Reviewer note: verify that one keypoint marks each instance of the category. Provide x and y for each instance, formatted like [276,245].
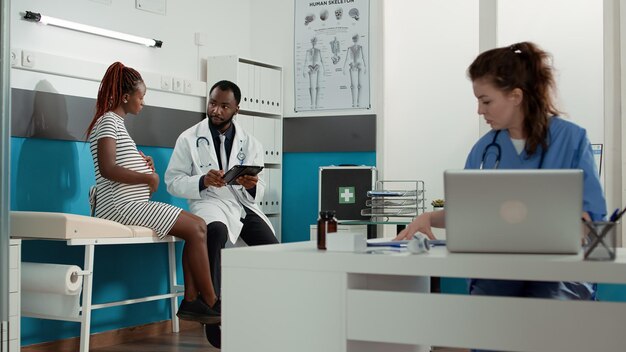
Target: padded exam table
[80,230]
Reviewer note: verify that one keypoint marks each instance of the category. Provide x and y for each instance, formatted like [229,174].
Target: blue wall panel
[52,175]
[612,293]
[300,188]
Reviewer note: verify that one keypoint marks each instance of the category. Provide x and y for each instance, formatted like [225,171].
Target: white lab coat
[193,157]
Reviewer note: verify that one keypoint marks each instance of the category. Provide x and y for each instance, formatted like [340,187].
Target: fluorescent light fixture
[37,17]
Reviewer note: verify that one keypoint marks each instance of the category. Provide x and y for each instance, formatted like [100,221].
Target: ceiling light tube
[37,17]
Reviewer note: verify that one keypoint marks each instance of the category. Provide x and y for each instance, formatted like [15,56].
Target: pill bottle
[327,223]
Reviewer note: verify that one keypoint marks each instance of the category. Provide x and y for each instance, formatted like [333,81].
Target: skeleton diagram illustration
[338,13]
[354,13]
[335,49]
[314,67]
[356,59]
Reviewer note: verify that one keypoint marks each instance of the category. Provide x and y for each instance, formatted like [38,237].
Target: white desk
[292,297]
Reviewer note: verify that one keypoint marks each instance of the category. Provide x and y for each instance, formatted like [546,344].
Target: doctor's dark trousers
[254,232]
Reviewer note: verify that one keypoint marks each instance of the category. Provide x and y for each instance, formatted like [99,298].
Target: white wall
[272,40]
[429,120]
[581,57]
[574,37]
[227,24]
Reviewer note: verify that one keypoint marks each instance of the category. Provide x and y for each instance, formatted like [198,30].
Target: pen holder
[600,240]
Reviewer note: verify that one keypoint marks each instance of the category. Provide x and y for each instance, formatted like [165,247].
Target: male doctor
[203,153]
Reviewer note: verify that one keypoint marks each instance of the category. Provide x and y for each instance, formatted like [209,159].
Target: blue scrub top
[568,148]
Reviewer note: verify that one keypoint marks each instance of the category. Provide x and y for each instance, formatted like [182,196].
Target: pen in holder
[600,240]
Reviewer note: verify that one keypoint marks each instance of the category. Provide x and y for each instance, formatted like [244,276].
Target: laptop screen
[513,211]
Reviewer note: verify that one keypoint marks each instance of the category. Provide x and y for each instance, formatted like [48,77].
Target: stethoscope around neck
[241,156]
[498,151]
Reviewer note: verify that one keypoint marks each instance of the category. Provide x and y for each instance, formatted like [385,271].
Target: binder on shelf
[264,132]
[243,80]
[276,87]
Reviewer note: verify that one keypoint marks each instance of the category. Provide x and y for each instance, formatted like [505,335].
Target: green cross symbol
[346,195]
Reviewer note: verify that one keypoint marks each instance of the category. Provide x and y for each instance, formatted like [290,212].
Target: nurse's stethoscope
[241,156]
[498,151]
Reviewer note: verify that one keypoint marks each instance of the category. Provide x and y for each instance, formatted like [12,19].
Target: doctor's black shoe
[213,334]
[199,311]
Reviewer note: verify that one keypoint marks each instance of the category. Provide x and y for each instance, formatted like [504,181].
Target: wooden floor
[191,340]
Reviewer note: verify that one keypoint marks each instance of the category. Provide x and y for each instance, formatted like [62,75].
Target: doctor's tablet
[231,176]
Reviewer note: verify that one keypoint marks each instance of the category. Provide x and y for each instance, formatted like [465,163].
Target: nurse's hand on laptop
[422,224]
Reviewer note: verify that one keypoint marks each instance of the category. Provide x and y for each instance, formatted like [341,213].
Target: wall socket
[13,58]
[188,87]
[201,39]
[177,84]
[166,82]
[28,59]
[156,6]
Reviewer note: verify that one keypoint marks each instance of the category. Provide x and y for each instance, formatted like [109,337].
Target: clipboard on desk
[401,244]
[236,171]
[379,243]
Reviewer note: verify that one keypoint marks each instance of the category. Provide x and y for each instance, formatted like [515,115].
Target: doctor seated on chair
[203,153]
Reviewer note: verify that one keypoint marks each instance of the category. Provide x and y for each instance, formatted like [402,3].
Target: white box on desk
[340,229]
[346,242]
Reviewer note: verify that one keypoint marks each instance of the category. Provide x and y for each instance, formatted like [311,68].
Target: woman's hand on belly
[153,182]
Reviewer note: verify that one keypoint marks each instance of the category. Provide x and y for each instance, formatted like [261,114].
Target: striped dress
[124,203]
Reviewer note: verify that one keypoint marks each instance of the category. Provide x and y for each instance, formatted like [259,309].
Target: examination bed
[80,230]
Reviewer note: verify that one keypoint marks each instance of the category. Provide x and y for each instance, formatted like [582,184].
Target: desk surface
[336,295]
[438,262]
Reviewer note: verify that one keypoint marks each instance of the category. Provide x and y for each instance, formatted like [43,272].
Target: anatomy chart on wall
[331,55]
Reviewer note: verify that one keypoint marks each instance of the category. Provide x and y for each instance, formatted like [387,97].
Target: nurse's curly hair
[117,81]
[527,67]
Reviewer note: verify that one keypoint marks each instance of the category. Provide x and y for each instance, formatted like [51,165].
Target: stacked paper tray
[386,211]
[391,203]
[381,202]
[395,198]
[395,194]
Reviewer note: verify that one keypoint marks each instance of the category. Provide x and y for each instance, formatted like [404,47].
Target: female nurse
[515,89]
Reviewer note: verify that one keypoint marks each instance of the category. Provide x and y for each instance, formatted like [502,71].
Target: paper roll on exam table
[51,289]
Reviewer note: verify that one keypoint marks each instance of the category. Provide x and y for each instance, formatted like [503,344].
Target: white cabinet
[265,131]
[271,202]
[261,84]
[274,194]
[247,122]
[260,115]
[13,332]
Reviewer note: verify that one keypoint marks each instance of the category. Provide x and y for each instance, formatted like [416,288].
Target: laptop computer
[514,211]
